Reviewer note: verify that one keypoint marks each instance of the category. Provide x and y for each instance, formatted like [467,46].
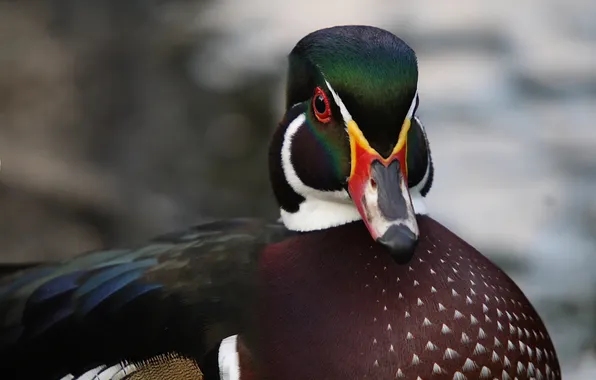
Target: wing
[177,296]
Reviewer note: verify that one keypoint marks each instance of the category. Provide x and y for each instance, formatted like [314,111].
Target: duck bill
[379,188]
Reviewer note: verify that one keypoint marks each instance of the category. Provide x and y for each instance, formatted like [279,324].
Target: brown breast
[337,307]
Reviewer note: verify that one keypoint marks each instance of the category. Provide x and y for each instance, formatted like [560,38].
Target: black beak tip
[400,241]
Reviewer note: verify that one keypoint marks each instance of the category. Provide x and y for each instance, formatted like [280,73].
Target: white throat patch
[320,209]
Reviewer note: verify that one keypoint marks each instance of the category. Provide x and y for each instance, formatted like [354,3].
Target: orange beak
[379,188]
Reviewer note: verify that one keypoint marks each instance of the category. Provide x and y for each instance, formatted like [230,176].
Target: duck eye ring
[320,105]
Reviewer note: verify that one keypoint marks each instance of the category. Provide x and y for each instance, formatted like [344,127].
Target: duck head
[350,146]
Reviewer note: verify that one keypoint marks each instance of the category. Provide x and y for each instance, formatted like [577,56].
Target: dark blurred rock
[106,139]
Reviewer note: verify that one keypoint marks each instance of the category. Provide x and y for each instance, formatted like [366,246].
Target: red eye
[320,105]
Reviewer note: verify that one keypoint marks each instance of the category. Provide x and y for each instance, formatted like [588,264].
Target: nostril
[373,184]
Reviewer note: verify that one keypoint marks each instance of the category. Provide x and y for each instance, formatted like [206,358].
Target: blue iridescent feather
[108,274]
[55,287]
[102,292]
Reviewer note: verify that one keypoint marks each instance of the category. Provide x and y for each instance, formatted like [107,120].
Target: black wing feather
[181,293]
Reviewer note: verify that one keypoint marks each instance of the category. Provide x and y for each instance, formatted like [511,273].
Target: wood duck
[354,282]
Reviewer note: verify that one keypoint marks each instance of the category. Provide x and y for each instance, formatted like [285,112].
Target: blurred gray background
[120,120]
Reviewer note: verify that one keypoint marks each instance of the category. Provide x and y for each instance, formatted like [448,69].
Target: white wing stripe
[115,372]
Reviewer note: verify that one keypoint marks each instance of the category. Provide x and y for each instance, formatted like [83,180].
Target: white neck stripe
[412,107]
[342,107]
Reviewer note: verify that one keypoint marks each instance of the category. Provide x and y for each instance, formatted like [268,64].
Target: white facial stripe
[286,156]
[420,185]
[344,110]
[342,107]
[412,106]
[228,360]
[290,173]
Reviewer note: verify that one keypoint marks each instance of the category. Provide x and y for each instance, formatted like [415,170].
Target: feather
[180,294]
[110,273]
